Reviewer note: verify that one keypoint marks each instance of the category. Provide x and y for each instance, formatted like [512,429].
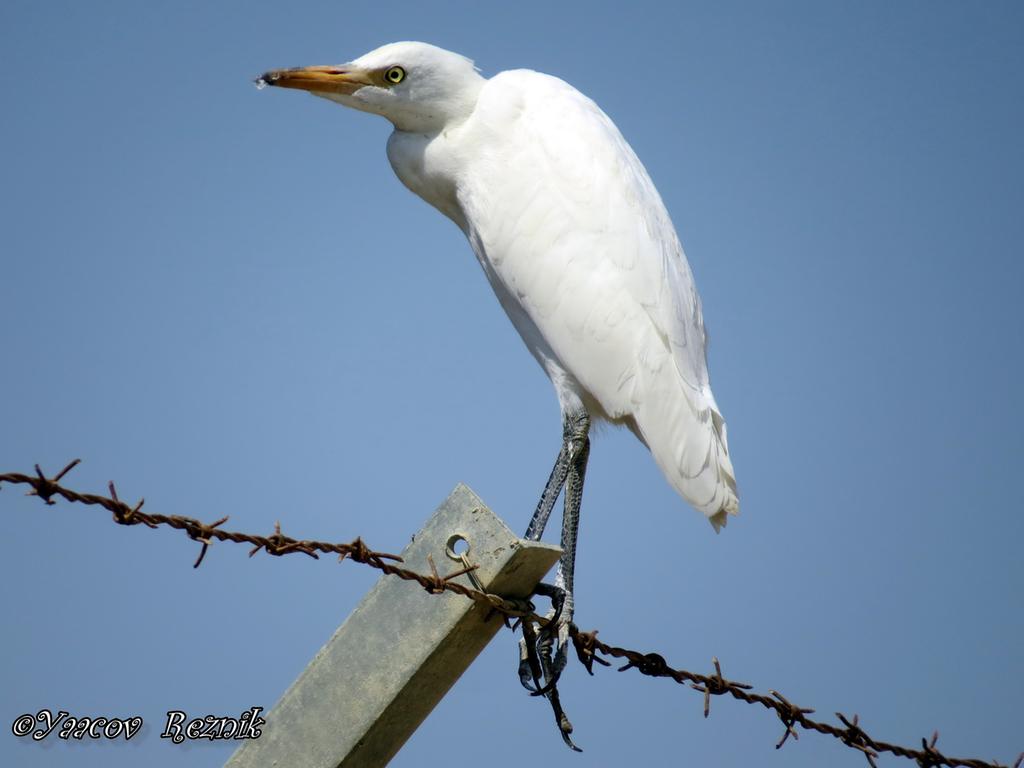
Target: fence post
[399,652]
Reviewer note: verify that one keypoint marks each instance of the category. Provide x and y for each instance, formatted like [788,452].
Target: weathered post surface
[400,651]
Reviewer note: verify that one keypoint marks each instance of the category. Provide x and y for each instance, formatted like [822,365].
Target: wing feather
[573,233]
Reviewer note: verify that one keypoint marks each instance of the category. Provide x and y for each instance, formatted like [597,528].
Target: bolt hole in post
[457,548]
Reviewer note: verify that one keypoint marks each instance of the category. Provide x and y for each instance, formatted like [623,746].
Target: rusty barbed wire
[277,544]
[586,644]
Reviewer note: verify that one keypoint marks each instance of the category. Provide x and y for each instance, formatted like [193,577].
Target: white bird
[580,251]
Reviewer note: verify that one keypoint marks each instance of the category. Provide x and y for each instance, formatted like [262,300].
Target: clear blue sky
[222,299]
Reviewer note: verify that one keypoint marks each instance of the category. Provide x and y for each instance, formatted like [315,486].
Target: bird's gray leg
[573,423]
[578,449]
[529,663]
[551,490]
[569,470]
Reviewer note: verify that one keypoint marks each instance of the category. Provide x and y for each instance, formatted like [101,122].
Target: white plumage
[583,257]
[572,236]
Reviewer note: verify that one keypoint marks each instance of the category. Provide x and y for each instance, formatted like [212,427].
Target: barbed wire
[586,643]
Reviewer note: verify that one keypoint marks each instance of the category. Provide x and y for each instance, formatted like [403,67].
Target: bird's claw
[539,668]
[554,634]
[529,663]
[538,673]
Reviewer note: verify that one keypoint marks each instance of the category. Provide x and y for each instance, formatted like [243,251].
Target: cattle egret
[581,254]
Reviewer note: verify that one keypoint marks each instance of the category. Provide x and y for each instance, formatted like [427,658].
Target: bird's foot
[539,667]
[554,635]
[530,674]
[543,654]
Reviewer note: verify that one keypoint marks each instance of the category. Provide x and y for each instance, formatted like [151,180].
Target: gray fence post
[400,651]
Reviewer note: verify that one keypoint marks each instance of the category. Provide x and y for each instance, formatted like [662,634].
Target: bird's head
[417,86]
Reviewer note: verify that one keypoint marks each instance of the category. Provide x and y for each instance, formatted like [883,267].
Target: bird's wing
[567,219]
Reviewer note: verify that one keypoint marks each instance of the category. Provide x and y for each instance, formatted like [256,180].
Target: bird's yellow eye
[395,75]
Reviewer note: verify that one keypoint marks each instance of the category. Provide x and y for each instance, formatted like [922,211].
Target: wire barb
[716,685]
[586,643]
[44,487]
[790,716]
[651,664]
[931,757]
[855,738]
[203,536]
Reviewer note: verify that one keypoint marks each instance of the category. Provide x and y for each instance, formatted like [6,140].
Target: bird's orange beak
[343,79]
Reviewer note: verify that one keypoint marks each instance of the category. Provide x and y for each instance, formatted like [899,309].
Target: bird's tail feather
[688,439]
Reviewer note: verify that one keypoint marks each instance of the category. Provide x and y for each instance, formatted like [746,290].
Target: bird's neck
[428,163]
